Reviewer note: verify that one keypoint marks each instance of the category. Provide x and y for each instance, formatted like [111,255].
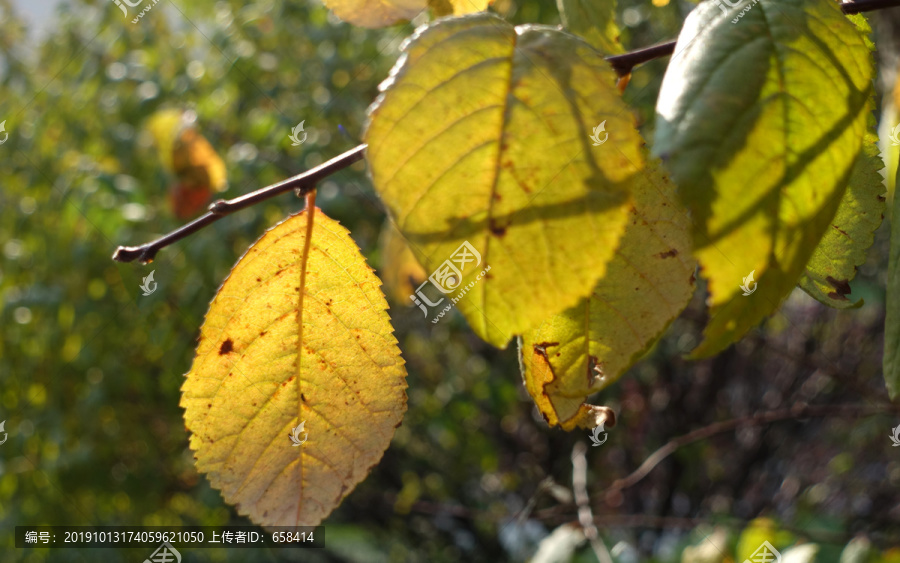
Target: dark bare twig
[795,412]
[585,516]
[302,184]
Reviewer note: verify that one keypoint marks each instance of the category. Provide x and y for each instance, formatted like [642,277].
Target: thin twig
[302,184]
[623,65]
[585,516]
[798,411]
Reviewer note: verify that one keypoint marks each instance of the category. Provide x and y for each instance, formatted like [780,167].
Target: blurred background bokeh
[90,369]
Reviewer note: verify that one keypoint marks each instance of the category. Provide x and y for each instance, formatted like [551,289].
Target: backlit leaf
[650,280]
[892,307]
[400,271]
[270,360]
[844,246]
[760,122]
[594,20]
[375,13]
[482,136]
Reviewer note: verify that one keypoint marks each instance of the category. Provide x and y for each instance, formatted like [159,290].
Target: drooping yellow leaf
[196,162]
[375,13]
[184,152]
[483,137]
[589,346]
[280,349]
[400,271]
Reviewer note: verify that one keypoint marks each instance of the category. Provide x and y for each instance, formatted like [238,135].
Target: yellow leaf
[400,271]
[196,163]
[272,358]
[375,13]
[589,346]
[463,7]
[483,137]
[164,126]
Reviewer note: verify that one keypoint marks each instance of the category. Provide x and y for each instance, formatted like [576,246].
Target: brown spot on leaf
[226,347]
[841,288]
[671,253]
[302,397]
[291,378]
[542,348]
[843,232]
[497,230]
[595,369]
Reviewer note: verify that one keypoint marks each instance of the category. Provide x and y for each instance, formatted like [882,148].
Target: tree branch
[797,411]
[306,182]
[625,63]
[585,516]
[302,184]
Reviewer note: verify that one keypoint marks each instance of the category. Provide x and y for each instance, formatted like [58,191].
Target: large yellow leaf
[589,346]
[375,13]
[482,136]
[272,357]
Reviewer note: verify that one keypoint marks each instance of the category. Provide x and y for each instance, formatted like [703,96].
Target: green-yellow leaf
[594,20]
[272,357]
[589,346]
[400,271]
[844,246]
[891,363]
[760,122]
[376,13]
[457,7]
[483,135]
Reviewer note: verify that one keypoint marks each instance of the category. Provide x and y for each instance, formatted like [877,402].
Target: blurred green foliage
[90,369]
